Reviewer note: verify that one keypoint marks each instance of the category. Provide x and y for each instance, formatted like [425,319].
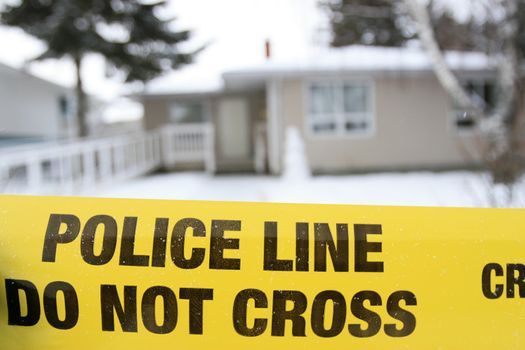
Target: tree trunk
[500,152]
[446,77]
[81,112]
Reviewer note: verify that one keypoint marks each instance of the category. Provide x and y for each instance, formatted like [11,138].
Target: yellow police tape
[128,274]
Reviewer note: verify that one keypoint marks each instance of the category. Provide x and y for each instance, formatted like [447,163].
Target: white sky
[235,29]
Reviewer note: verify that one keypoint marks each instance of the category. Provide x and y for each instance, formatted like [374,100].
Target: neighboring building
[33,108]
[358,109]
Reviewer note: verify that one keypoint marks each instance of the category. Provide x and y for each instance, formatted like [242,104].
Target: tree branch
[444,74]
[508,66]
[367,11]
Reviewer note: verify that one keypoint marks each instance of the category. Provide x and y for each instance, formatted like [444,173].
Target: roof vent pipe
[267,49]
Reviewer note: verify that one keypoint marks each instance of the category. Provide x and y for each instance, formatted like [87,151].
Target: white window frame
[339,115]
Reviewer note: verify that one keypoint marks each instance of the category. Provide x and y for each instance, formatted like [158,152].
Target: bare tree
[500,129]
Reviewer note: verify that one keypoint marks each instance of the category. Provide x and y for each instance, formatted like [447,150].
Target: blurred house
[40,151]
[33,109]
[358,109]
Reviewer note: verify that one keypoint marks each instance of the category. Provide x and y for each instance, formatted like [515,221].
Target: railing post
[61,171]
[120,160]
[34,174]
[88,165]
[55,169]
[76,167]
[157,149]
[141,153]
[66,170]
[4,177]
[134,163]
[209,148]
[105,171]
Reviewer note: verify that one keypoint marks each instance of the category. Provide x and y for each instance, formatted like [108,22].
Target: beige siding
[156,112]
[412,129]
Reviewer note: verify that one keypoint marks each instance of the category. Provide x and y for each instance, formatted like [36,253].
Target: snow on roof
[199,79]
[364,59]
[190,80]
[22,72]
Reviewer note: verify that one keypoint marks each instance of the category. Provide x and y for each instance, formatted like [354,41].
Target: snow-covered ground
[465,189]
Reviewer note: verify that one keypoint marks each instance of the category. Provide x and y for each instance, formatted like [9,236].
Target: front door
[234,129]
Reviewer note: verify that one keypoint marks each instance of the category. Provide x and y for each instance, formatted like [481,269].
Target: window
[187,112]
[65,108]
[483,92]
[339,107]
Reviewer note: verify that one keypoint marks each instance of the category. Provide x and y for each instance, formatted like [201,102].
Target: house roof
[363,59]
[7,69]
[352,59]
[191,80]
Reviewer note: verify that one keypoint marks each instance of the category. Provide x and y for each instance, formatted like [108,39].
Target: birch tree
[495,28]
[501,129]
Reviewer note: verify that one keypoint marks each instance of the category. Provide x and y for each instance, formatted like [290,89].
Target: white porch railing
[188,143]
[71,167]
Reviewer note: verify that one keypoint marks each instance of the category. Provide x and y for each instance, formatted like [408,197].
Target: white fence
[188,143]
[71,167]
